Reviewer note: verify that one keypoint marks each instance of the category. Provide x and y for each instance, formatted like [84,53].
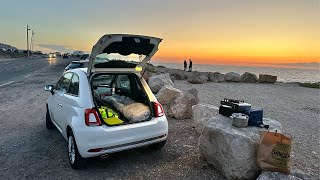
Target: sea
[285,74]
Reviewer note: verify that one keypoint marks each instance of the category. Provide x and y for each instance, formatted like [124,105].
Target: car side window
[64,82]
[74,85]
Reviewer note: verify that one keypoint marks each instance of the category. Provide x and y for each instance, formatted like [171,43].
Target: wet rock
[232,77]
[167,93]
[265,78]
[216,77]
[181,106]
[231,150]
[158,81]
[249,78]
[201,113]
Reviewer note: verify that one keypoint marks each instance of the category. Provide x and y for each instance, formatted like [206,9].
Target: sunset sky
[208,31]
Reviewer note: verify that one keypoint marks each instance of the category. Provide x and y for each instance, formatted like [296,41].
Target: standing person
[185,65]
[190,65]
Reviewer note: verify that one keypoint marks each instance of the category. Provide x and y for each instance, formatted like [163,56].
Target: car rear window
[75,65]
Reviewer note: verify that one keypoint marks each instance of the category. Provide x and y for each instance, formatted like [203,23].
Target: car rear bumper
[120,138]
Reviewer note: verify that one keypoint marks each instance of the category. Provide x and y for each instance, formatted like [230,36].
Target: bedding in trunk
[132,110]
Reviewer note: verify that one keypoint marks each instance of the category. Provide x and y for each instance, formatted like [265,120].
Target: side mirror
[49,88]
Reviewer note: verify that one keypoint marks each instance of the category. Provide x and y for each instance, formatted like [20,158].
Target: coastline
[284,75]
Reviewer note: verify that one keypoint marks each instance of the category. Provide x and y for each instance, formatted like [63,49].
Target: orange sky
[208,31]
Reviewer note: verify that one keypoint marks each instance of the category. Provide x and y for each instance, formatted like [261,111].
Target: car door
[58,99]
[70,102]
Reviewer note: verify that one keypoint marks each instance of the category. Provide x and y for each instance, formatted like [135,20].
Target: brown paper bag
[274,152]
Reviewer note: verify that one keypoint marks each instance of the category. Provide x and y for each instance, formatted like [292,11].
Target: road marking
[6,83]
[27,75]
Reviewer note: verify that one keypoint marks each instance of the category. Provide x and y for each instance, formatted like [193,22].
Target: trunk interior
[120,98]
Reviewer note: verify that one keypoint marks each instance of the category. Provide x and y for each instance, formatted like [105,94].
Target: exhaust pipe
[104,156]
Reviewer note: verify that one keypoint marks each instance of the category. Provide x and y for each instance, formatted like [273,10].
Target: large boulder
[150,67]
[232,77]
[265,78]
[158,81]
[231,150]
[167,93]
[249,77]
[181,106]
[196,78]
[216,77]
[294,175]
[178,74]
[147,75]
[201,113]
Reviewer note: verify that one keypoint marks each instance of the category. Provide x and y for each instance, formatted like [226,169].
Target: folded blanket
[132,110]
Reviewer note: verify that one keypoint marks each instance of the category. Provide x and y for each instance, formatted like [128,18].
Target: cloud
[55,47]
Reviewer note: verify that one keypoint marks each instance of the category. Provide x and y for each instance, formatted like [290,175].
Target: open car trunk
[120,98]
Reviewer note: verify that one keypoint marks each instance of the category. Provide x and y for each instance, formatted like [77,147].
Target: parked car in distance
[84,56]
[77,53]
[65,55]
[52,55]
[77,64]
[81,102]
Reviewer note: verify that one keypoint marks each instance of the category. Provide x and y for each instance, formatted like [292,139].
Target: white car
[108,107]
[52,55]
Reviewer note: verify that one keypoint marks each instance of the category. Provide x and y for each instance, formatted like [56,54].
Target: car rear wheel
[49,123]
[75,159]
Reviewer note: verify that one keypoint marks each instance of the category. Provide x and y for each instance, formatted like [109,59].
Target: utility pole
[32,41]
[28,39]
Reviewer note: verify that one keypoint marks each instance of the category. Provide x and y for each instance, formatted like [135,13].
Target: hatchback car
[108,107]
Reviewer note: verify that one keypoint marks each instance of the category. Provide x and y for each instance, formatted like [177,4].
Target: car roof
[85,70]
[81,61]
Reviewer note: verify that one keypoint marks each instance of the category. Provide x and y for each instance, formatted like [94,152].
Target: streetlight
[28,39]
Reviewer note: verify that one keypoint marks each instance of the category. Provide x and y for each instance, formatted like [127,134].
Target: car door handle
[60,104]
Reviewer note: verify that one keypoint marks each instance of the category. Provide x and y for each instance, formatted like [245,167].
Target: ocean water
[283,74]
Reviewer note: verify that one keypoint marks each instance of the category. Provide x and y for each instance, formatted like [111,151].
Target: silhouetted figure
[185,65]
[190,65]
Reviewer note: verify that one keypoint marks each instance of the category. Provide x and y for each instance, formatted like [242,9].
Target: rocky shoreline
[182,92]
[196,77]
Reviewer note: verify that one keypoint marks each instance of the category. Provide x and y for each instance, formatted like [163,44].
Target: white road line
[27,75]
[6,83]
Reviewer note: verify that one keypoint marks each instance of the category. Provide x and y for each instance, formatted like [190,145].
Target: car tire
[75,159]
[159,145]
[49,123]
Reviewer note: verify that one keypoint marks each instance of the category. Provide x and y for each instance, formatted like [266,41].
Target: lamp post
[28,39]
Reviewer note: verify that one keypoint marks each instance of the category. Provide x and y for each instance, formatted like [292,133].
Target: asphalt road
[12,70]
[29,151]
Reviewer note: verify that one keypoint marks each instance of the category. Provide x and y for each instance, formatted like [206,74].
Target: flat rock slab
[231,150]
[201,113]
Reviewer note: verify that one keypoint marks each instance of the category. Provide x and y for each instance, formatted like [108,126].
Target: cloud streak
[56,47]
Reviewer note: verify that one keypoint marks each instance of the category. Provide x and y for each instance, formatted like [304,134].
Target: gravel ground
[297,108]
[29,151]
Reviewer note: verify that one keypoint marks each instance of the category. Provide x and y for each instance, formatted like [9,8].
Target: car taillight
[91,117]
[158,109]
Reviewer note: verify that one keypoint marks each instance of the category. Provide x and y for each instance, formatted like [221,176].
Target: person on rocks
[190,65]
[185,65]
